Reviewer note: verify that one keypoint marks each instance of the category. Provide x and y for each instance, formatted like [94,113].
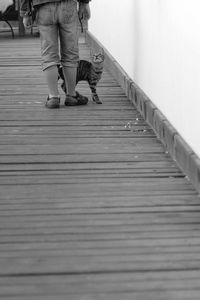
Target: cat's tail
[60,72]
[61,76]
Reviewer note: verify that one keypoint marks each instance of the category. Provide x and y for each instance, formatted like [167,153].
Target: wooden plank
[43,250]
[152,295]
[101,201]
[119,282]
[60,265]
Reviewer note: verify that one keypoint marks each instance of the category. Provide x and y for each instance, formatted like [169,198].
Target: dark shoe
[75,100]
[53,102]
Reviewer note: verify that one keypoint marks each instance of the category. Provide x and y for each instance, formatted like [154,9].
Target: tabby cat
[88,71]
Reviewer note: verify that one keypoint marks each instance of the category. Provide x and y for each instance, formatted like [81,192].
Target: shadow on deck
[91,205]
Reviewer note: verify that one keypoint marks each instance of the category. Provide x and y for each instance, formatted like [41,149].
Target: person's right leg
[49,50]
[51,75]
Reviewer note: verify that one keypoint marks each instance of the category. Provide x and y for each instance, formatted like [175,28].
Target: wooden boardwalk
[91,205]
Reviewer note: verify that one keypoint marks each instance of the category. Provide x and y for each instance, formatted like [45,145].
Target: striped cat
[88,71]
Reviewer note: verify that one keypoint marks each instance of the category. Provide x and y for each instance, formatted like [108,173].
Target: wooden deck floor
[91,205]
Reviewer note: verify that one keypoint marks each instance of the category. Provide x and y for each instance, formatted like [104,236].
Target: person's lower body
[57,23]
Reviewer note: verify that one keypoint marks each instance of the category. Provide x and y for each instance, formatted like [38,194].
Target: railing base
[177,147]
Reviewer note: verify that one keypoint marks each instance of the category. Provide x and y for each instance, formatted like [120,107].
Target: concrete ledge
[168,137]
[179,150]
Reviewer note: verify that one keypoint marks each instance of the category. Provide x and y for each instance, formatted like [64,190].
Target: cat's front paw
[96,99]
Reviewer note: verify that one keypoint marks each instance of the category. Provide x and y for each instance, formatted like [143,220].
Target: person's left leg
[68,31]
[70,79]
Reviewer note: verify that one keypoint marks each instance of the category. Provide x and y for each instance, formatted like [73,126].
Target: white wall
[157,42]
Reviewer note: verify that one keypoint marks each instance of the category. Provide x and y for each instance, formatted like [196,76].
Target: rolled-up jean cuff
[48,65]
[70,64]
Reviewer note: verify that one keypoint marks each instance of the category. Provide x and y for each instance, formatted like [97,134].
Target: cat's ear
[102,52]
[92,53]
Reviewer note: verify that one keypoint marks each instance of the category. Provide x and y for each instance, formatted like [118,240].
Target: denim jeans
[58,26]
